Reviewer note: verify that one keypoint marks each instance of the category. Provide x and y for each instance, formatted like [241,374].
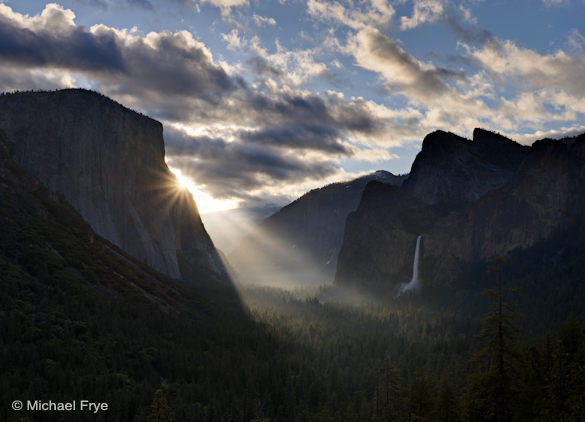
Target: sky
[262,101]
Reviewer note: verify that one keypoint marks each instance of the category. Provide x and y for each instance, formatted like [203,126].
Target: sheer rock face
[546,194]
[108,163]
[472,204]
[451,168]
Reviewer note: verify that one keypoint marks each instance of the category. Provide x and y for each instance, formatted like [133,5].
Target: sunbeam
[205,202]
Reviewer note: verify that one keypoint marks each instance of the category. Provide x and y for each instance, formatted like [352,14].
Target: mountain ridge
[499,210]
[452,168]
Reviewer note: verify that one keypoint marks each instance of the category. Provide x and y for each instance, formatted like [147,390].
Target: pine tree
[388,403]
[564,400]
[492,392]
[160,411]
[422,397]
[447,406]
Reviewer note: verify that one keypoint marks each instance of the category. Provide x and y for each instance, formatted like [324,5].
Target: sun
[205,202]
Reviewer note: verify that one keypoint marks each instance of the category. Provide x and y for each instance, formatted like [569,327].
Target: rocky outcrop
[546,194]
[451,168]
[300,243]
[496,197]
[108,163]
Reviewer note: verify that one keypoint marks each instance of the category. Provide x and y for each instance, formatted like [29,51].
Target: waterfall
[414,282]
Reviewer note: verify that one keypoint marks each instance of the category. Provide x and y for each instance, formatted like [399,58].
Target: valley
[452,293]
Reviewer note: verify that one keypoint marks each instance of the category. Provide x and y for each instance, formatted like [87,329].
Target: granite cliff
[451,168]
[108,162]
[300,243]
[45,245]
[470,201]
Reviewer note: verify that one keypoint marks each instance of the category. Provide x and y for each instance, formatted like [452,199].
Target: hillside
[80,318]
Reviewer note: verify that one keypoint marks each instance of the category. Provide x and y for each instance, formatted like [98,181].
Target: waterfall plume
[414,281]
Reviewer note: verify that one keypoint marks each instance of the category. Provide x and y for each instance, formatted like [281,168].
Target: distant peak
[381,174]
[482,135]
[441,135]
[440,140]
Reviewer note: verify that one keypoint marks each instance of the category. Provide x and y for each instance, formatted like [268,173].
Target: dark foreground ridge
[82,319]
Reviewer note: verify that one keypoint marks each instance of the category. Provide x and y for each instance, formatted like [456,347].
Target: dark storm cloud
[292,106]
[231,168]
[173,76]
[445,73]
[174,64]
[299,136]
[72,48]
[169,63]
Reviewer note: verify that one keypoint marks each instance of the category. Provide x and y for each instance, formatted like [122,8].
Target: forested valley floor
[291,357]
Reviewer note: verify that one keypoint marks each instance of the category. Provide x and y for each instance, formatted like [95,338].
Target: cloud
[292,67]
[12,79]
[563,132]
[119,61]
[234,169]
[470,32]
[261,67]
[499,85]
[262,20]
[53,39]
[234,42]
[372,13]
[225,6]
[529,70]
[424,11]
[299,136]
[576,41]
[402,73]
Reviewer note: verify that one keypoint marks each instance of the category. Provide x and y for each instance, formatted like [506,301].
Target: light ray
[205,202]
